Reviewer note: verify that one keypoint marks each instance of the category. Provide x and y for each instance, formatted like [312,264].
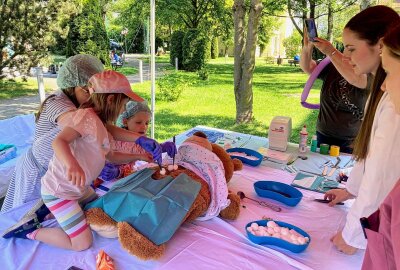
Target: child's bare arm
[63,152]
[121,134]
[122,158]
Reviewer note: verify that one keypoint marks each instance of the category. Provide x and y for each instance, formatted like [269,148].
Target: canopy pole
[152,62]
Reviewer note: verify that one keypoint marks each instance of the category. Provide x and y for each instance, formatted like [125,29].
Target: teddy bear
[205,163]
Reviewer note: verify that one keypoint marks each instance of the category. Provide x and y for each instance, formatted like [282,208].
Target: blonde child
[81,149]
[135,118]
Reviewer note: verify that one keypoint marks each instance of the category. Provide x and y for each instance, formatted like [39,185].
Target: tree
[316,9]
[26,29]
[292,44]
[244,62]
[191,12]
[87,32]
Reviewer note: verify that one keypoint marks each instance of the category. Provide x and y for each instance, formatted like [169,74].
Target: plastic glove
[109,172]
[150,146]
[169,148]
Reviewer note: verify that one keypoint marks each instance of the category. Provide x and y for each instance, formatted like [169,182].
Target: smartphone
[311,29]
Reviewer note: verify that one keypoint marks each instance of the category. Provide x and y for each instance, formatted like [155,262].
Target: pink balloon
[310,82]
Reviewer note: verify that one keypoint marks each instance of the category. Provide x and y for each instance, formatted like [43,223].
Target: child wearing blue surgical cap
[135,118]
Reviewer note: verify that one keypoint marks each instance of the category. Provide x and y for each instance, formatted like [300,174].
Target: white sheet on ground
[19,131]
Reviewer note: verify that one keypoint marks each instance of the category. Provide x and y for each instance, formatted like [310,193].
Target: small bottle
[303,140]
[314,143]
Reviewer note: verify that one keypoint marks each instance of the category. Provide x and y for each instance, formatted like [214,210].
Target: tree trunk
[290,12]
[239,11]
[330,22]
[245,58]
[312,8]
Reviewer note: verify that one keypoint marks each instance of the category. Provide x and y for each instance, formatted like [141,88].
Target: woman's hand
[324,46]
[341,245]
[337,195]
[76,174]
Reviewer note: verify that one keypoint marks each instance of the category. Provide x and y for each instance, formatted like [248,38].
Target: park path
[30,103]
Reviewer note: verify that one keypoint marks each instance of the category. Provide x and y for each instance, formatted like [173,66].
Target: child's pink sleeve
[84,121]
[126,147]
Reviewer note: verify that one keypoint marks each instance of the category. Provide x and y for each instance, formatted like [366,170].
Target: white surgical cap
[77,70]
[132,108]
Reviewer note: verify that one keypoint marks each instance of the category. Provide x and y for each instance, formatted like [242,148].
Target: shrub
[170,87]
[203,74]
[176,48]
[195,46]
[214,48]
[87,32]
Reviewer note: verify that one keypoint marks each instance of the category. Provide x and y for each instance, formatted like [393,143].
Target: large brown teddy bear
[136,243]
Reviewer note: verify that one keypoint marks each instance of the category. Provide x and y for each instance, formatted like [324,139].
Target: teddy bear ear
[200,134]
[238,164]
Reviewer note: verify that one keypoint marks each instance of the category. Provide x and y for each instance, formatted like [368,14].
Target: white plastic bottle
[303,140]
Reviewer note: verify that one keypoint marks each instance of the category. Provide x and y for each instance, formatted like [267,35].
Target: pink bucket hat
[110,81]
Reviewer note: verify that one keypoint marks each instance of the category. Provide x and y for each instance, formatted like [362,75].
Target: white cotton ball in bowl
[272,224]
[301,240]
[295,233]
[284,231]
[254,226]
[170,168]
[307,239]
[276,235]
[286,238]
[175,167]
[250,230]
[277,229]
[270,230]
[258,233]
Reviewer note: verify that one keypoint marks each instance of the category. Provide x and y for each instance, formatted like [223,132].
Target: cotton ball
[295,242]
[272,224]
[170,168]
[254,226]
[293,237]
[277,229]
[270,230]
[258,233]
[264,233]
[250,230]
[286,238]
[284,231]
[307,239]
[162,171]
[175,167]
[295,233]
[276,235]
[301,240]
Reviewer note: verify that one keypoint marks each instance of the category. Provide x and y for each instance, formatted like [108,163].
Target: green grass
[276,91]
[126,70]
[18,87]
